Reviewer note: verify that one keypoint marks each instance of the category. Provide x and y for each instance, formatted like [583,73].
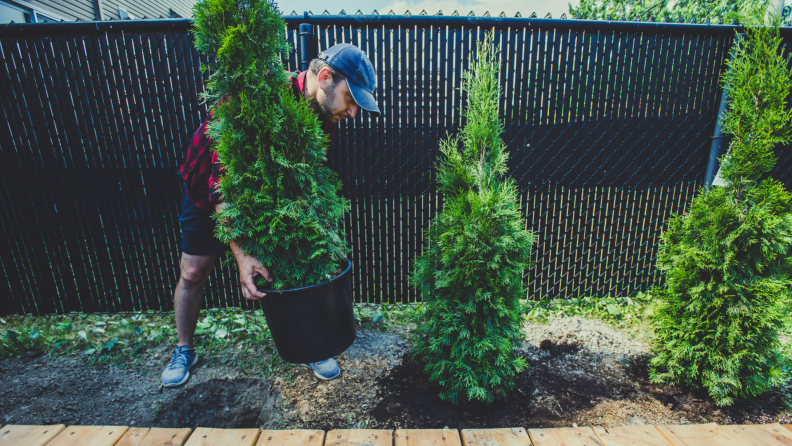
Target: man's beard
[324,112]
[326,105]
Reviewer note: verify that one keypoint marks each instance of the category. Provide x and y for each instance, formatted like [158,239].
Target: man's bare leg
[189,294]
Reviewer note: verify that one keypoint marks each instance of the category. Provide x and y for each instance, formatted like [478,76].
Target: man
[338,84]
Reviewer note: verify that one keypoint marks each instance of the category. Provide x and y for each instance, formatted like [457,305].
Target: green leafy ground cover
[127,340]
[628,313]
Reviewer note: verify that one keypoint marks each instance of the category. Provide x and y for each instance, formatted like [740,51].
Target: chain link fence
[608,127]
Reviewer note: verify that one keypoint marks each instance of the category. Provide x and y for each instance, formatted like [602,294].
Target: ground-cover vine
[233,336]
[124,339]
[283,205]
[471,272]
[630,313]
[727,262]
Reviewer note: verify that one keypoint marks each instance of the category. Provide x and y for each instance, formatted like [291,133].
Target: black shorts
[197,229]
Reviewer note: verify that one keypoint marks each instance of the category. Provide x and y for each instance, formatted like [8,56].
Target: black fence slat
[350,148]
[150,209]
[174,140]
[84,258]
[147,245]
[77,256]
[120,178]
[397,124]
[40,90]
[95,125]
[35,233]
[12,244]
[373,48]
[390,97]
[161,203]
[383,160]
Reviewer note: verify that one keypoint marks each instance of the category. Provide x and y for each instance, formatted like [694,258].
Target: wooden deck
[687,435]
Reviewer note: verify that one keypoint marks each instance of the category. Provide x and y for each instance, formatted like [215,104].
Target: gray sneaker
[178,371]
[325,370]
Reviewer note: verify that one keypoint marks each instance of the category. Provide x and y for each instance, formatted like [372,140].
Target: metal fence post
[716,148]
[307,49]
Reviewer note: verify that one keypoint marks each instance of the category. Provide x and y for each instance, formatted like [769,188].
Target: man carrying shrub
[337,84]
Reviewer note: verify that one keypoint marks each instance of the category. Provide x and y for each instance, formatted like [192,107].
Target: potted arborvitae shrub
[283,203]
[727,262]
[471,271]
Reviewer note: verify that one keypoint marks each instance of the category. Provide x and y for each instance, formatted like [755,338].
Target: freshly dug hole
[223,403]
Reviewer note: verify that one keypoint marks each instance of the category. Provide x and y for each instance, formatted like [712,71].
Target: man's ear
[324,78]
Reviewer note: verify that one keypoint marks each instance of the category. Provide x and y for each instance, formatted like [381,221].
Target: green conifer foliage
[470,274]
[728,261]
[283,203]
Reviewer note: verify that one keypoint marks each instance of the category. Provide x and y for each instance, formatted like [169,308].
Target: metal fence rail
[607,125]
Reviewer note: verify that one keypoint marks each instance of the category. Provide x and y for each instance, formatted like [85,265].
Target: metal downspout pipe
[718,138]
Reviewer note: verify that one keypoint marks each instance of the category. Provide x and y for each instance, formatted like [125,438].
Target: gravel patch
[345,402]
[596,358]
[592,336]
[386,345]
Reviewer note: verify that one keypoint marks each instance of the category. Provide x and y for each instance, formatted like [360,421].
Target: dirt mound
[697,406]
[410,400]
[544,396]
[224,403]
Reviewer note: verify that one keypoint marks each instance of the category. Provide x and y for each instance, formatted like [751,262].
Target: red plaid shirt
[201,170]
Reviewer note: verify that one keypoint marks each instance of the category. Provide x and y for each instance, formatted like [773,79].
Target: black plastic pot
[312,323]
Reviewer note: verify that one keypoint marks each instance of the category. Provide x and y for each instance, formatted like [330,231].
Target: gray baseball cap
[359,73]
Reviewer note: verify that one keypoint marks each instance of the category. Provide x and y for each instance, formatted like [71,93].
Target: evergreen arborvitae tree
[666,10]
[470,274]
[283,203]
[728,261]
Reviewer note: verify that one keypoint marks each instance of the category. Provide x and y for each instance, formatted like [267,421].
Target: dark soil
[698,407]
[39,390]
[223,403]
[567,383]
[410,400]
[548,395]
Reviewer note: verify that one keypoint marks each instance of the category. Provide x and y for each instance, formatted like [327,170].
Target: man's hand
[248,268]
[219,207]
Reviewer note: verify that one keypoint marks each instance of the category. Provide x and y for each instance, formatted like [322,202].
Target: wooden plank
[207,436]
[134,436]
[89,436]
[495,437]
[359,437]
[630,435]
[427,437]
[29,435]
[303,437]
[564,436]
[760,434]
[697,435]
[166,437]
